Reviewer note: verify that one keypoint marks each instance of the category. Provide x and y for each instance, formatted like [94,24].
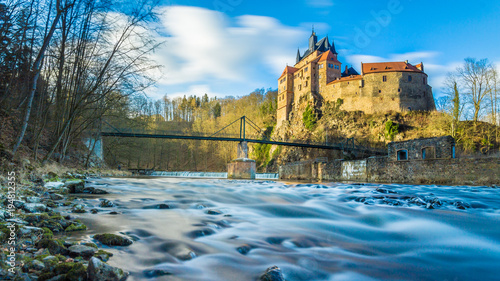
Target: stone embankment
[459,171]
[33,231]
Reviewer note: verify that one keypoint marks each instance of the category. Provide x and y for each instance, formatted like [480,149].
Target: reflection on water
[210,229]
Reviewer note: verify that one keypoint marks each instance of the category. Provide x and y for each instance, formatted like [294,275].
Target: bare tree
[474,77]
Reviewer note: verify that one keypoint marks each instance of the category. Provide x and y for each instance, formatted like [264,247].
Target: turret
[312,41]
[298,56]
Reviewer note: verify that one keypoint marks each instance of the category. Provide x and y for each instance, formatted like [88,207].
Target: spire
[298,56]
[313,40]
[332,48]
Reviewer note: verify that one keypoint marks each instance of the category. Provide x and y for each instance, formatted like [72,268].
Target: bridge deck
[334,146]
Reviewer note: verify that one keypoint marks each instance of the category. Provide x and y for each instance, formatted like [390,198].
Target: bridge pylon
[242,167]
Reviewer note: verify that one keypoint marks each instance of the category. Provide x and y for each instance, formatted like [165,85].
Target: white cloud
[195,90]
[204,45]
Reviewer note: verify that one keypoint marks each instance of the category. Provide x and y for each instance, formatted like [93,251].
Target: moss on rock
[113,239]
[76,227]
[54,246]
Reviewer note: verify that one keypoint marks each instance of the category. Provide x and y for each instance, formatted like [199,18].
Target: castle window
[362,83]
[307,68]
[320,76]
[305,85]
[300,87]
[425,80]
[320,66]
[384,78]
[402,155]
[409,78]
[399,90]
[337,67]
[330,65]
[379,91]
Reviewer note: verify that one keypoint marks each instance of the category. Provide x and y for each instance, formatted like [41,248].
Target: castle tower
[285,94]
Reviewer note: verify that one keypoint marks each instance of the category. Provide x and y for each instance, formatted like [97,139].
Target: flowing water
[220,175]
[218,229]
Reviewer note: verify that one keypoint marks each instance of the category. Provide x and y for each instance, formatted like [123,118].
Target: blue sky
[231,47]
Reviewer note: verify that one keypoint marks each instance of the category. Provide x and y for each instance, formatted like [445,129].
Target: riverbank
[37,213]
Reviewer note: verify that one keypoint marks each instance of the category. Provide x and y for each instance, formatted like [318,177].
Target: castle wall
[374,93]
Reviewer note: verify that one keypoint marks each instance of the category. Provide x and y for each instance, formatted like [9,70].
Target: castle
[381,87]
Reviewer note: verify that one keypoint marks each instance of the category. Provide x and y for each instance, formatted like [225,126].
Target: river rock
[158,206]
[98,270]
[82,251]
[56,196]
[34,207]
[18,204]
[79,208]
[54,185]
[214,212]
[113,239]
[75,186]
[99,191]
[54,246]
[273,273]
[17,221]
[34,265]
[105,203]
[30,232]
[4,215]
[244,249]
[153,273]
[33,199]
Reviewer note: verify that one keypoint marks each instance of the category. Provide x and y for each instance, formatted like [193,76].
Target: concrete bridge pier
[242,167]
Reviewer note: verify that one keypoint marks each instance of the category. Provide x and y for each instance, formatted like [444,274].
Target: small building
[422,149]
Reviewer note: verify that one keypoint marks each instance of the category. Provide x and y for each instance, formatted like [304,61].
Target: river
[219,229]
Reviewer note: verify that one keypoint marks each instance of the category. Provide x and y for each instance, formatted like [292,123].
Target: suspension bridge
[248,132]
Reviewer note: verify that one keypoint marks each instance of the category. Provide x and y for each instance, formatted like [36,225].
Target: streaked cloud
[204,46]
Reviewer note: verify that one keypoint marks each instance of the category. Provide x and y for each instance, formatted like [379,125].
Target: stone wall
[440,147]
[354,170]
[466,171]
[371,94]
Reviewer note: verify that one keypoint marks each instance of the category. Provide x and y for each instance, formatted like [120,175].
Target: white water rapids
[218,229]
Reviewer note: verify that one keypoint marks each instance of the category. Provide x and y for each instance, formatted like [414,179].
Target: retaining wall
[470,171]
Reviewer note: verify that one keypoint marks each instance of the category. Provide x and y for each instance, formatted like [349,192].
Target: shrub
[391,129]
[309,118]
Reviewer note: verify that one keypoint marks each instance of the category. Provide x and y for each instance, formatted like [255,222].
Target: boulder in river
[75,186]
[79,208]
[273,273]
[109,239]
[82,251]
[105,203]
[98,270]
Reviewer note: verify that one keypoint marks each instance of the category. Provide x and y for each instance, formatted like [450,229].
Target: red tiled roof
[329,56]
[288,69]
[388,67]
[348,78]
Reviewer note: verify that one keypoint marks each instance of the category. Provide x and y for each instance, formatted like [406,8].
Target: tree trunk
[37,66]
